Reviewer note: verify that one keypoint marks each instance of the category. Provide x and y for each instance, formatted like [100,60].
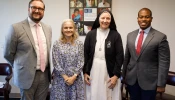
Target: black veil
[112,25]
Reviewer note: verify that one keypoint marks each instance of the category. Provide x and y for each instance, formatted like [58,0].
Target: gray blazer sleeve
[164,61]
[10,46]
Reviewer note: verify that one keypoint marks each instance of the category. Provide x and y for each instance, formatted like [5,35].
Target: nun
[103,52]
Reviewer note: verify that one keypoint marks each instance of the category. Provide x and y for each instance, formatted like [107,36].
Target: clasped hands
[112,80]
[69,80]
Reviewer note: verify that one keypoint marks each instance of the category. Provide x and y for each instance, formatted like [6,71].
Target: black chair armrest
[8,77]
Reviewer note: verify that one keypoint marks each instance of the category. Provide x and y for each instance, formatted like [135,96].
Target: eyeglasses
[35,8]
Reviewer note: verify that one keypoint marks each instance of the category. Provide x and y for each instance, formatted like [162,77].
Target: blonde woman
[68,61]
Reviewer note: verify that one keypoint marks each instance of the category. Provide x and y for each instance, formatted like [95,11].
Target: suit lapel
[133,41]
[147,40]
[29,33]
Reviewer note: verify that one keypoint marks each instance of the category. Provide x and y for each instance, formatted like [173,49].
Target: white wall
[124,11]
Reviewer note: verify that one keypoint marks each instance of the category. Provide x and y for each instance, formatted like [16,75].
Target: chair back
[171,78]
[5,69]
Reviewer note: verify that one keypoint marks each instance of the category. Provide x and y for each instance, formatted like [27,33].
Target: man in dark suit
[147,59]
[27,50]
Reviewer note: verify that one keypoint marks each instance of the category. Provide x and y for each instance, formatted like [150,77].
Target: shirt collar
[32,23]
[146,30]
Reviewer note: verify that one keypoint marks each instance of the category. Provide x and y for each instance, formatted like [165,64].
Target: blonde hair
[74,36]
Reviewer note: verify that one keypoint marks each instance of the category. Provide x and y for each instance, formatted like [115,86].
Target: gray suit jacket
[151,67]
[20,52]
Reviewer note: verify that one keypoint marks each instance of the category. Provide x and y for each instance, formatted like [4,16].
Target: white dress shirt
[146,31]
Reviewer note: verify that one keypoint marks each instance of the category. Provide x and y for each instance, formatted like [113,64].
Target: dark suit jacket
[151,67]
[113,54]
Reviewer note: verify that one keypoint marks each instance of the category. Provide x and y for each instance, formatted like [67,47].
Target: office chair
[5,70]
[170,81]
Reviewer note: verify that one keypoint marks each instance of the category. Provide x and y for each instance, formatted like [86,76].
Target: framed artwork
[84,13]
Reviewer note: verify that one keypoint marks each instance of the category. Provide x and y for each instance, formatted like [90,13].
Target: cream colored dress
[98,90]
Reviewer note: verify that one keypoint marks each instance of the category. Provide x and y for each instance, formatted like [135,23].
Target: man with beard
[27,50]
[147,59]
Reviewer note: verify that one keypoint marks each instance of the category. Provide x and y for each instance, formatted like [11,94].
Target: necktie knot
[142,32]
[37,25]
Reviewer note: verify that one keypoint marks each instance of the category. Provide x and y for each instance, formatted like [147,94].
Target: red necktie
[139,43]
[41,49]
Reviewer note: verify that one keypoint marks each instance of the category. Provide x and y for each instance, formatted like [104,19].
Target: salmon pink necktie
[41,49]
[139,43]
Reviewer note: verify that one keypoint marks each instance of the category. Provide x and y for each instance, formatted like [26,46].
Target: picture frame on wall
[77,14]
[104,3]
[76,3]
[90,3]
[84,13]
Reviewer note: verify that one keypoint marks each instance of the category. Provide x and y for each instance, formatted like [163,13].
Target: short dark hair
[147,10]
[36,0]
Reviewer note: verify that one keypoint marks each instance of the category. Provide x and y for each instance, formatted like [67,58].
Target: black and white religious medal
[100,49]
